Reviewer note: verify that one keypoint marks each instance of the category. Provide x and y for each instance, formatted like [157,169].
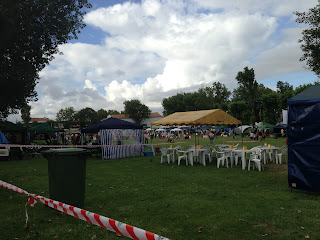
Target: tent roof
[44,128]
[7,126]
[3,139]
[266,125]
[220,127]
[281,126]
[111,123]
[176,130]
[204,117]
[309,95]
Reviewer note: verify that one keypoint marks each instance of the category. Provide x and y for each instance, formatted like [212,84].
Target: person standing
[211,137]
[146,138]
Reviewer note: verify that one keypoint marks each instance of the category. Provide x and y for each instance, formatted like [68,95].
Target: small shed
[304,140]
[119,138]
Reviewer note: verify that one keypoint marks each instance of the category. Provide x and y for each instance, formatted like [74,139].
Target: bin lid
[65,151]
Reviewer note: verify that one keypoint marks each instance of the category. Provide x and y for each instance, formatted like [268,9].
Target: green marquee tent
[43,128]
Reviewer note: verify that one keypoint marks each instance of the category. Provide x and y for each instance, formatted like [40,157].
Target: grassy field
[178,202]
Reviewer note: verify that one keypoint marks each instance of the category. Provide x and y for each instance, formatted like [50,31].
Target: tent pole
[195,135]
[198,139]
[242,135]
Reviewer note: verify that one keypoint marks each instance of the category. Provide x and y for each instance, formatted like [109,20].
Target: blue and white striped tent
[120,139]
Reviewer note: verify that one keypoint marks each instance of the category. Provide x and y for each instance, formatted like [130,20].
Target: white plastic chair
[220,158]
[165,154]
[195,156]
[182,155]
[270,153]
[227,155]
[237,155]
[208,153]
[173,156]
[284,150]
[256,158]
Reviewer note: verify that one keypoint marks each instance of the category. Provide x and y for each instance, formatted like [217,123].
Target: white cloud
[270,7]
[157,48]
[89,84]
[283,58]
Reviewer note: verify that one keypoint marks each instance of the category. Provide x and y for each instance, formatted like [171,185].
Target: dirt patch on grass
[277,168]
[267,228]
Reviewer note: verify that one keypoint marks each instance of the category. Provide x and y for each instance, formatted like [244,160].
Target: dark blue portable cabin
[304,140]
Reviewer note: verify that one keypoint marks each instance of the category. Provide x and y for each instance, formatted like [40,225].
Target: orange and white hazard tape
[101,221]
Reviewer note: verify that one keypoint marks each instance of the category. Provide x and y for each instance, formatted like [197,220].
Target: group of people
[258,135]
[170,136]
[75,139]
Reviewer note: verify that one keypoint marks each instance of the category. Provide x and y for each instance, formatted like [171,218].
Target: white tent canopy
[176,130]
[160,130]
[241,129]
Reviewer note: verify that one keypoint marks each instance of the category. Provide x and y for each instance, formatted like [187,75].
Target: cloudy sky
[152,49]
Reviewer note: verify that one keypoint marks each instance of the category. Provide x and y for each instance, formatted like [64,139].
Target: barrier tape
[76,146]
[96,219]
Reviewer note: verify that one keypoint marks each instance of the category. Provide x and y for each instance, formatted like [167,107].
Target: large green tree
[285,91]
[239,110]
[218,93]
[183,102]
[248,91]
[31,31]
[310,42]
[86,117]
[136,110]
[66,116]
[101,114]
[105,113]
[215,96]
[25,114]
[113,112]
[271,110]
[173,104]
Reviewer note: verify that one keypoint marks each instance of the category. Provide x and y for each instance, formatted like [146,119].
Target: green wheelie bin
[67,172]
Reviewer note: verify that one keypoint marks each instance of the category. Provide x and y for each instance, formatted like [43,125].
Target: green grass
[178,202]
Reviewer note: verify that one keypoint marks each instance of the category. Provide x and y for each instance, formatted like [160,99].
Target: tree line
[88,116]
[69,117]
[250,102]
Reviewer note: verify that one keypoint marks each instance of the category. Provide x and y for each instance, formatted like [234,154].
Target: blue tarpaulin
[3,139]
[304,140]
